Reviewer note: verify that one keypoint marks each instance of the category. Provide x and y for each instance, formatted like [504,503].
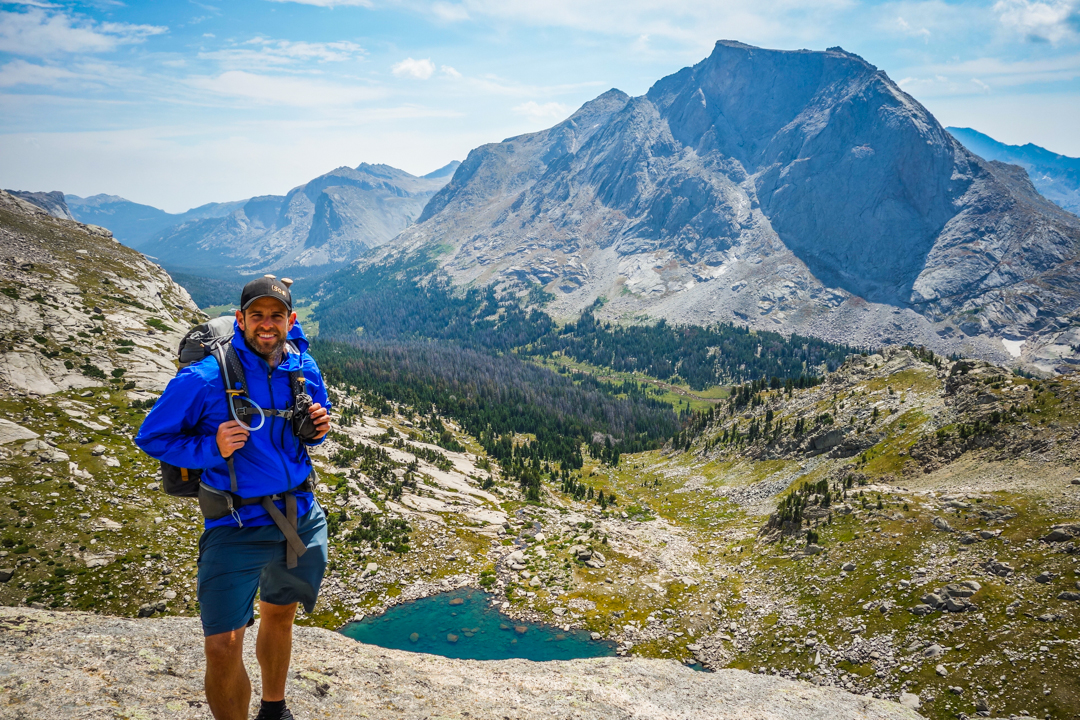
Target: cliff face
[92,664]
[792,190]
[51,202]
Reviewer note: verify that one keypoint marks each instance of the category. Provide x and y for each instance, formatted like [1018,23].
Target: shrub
[158,325]
[93,371]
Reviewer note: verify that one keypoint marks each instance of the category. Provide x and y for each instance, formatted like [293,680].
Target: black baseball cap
[267,286]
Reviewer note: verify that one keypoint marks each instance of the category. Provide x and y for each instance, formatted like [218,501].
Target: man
[265,465]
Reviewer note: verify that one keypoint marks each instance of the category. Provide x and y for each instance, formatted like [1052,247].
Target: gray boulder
[942,524]
[957,604]
[1062,533]
[933,600]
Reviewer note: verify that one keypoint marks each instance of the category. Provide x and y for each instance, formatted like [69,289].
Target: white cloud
[20,72]
[1053,21]
[329,3]
[546,111]
[449,71]
[907,29]
[419,69]
[261,53]
[494,85]
[687,21]
[283,91]
[988,74]
[38,33]
[450,12]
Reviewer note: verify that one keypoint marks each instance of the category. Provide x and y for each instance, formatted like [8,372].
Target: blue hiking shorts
[236,562]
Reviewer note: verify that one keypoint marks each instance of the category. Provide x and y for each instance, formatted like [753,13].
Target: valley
[781,383]
[906,527]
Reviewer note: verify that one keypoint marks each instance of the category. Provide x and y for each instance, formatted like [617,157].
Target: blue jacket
[181,429]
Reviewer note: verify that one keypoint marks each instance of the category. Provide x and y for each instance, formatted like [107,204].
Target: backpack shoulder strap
[232,377]
[234,371]
[297,381]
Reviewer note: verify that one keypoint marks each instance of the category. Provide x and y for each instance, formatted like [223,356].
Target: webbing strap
[244,412]
[287,525]
[232,473]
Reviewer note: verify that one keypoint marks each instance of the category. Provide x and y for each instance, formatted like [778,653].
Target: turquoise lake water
[471,629]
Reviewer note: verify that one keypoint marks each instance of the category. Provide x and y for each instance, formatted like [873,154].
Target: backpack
[215,338]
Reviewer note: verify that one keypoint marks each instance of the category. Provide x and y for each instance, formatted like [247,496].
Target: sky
[176,103]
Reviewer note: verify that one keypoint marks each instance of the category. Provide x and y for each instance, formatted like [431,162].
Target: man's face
[265,324]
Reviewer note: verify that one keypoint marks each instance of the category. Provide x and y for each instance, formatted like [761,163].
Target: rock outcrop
[89,665]
[316,227]
[51,202]
[78,309]
[788,190]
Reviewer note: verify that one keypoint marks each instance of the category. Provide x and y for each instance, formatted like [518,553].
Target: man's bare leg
[228,689]
[273,648]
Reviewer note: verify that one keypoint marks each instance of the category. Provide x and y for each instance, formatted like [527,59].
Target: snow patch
[1013,346]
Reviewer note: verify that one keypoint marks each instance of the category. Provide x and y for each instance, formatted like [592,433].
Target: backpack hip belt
[216,504]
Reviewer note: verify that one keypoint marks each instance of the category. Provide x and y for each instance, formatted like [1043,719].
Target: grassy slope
[693,554]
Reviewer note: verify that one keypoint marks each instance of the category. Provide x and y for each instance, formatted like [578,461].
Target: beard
[268,349]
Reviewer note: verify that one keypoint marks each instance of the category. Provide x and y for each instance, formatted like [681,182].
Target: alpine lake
[464,624]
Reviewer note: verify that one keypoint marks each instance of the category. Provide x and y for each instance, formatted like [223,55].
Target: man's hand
[231,436]
[321,418]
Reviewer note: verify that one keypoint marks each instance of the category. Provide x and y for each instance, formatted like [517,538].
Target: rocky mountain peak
[445,171]
[794,190]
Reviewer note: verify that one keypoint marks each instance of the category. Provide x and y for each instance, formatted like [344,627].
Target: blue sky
[181,102]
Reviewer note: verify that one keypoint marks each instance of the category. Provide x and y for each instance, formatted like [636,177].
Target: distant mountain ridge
[1056,177]
[798,191]
[317,227]
[134,223]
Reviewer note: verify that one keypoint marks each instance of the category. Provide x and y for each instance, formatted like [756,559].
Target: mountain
[51,202]
[1057,177]
[133,223]
[797,191]
[822,534]
[316,227]
[78,308]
